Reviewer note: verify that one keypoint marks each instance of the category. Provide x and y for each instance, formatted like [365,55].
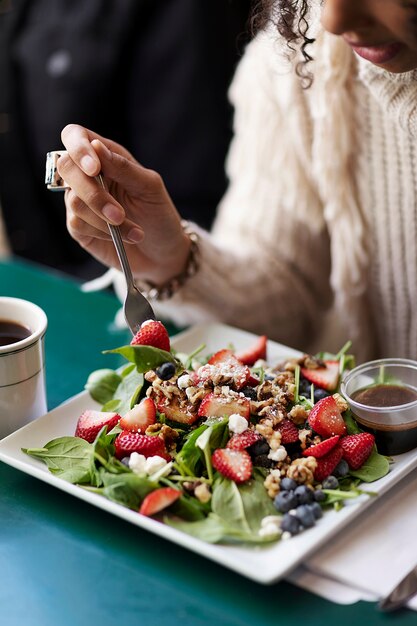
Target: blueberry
[165,371]
[342,469]
[316,509]
[249,392]
[330,482]
[319,394]
[269,377]
[304,388]
[304,494]
[125,461]
[285,501]
[288,484]
[319,495]
[290,524]
[305,515]
[261,460]
[259,448]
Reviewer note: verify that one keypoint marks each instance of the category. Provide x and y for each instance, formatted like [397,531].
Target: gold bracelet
[168,289]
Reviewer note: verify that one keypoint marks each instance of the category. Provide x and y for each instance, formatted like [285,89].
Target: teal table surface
[64,562]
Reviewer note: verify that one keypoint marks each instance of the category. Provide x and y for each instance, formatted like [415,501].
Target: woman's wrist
[167,289]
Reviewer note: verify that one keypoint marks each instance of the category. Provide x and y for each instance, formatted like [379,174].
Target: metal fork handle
[118,243]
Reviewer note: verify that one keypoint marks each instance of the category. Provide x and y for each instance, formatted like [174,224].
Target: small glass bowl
[393,424]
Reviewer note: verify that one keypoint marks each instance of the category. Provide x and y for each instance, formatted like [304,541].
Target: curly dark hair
[290,19]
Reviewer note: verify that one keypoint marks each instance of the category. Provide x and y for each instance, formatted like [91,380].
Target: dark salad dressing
[393,438]
[385,395]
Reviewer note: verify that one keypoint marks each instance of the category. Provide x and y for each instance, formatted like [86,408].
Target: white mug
[22,365]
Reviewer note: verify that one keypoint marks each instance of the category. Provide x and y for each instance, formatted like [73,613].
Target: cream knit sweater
[321,208]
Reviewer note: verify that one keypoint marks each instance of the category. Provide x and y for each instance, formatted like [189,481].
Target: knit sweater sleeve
[265,266]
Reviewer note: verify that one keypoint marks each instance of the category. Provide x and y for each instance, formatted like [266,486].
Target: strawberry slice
[328,463]
[326,419]
[152,333]
[233,464]
[322,448]
[91,422]
[220,356]
[288,430]
[215,405]
[176,413]
[158,500]
[140,416]
[241,441]
[256,351]
[325,377]
[357,448]
[127,442]
[224,364]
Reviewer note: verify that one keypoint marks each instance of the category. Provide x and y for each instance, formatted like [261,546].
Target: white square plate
[262,564]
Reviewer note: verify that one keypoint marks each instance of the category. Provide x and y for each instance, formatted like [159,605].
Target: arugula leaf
[69,458]
[102,384]
[146,357]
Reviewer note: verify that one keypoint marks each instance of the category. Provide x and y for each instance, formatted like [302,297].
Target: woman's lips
[377,54]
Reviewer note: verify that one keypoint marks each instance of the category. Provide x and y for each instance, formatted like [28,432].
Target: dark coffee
[389,438]
[11,332]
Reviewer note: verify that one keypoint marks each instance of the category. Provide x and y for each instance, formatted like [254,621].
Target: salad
[223,446]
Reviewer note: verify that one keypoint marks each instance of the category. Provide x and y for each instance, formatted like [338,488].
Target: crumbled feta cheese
[237,423]
[270,530]
[190,391]
[137,463]
[225,390]
[271,519]
[280,454]
[154,463]
[184,381]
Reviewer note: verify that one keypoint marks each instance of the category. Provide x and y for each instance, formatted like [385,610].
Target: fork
[136,307]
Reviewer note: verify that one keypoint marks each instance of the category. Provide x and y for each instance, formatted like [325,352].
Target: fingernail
[112,213]
[88,164]
[135,235]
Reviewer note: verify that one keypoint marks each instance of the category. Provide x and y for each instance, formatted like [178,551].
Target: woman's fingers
[82,222]
[77,140]
[134,178]
[90,192]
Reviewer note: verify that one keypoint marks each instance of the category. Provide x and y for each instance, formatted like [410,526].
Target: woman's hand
[137,201]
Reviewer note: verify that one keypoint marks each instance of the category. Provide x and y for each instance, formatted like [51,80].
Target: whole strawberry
[357,448]
[152,333]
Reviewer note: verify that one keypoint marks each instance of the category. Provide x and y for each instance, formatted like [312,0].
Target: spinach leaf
[128,392]
[190,509]
[145,357]
[126,489]
[190,454]
[242,506]
[213,529]
[70,458]
[351,425]
[375,467]
[102,384]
